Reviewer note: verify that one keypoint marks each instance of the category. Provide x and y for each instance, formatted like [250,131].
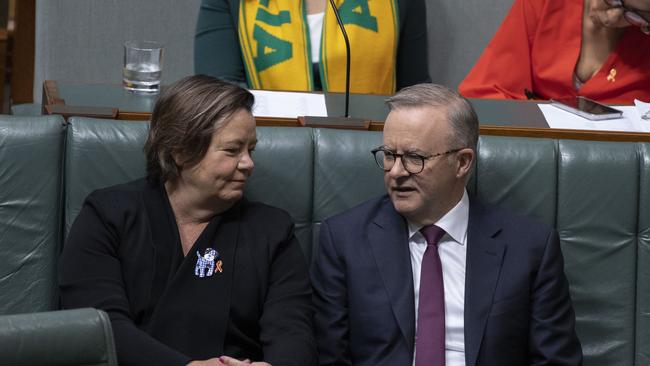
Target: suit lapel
[388,237]
[484,259]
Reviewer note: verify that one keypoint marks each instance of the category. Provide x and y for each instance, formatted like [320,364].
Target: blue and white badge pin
[208,263]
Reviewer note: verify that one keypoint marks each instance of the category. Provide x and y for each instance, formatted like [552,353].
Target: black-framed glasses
[412,162]
[631,15]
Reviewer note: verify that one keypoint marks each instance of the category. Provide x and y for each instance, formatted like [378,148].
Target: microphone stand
[345,122]
[347,58]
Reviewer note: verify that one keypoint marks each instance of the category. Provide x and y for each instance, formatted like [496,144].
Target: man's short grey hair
[460,114]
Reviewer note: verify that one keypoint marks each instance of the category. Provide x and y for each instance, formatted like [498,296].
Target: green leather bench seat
[31,172]
[597,195]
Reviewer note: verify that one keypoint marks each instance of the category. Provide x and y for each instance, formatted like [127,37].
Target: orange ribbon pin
[612,75]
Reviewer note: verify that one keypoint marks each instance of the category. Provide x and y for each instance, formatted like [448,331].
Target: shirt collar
[454,222]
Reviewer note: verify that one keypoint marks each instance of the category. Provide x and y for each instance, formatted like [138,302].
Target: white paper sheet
[630,122]
[288,104]
[643,108]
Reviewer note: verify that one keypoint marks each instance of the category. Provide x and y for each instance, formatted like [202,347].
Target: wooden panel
[4,36]
[22,78]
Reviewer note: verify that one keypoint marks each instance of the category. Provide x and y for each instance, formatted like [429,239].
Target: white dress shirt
[315,22]
[452,249]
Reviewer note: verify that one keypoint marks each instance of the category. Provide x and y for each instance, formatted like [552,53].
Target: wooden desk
[112,101]
[497,117]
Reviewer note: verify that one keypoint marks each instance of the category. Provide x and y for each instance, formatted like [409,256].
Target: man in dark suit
[428,276]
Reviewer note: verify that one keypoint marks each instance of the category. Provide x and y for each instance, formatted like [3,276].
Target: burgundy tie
[430,337]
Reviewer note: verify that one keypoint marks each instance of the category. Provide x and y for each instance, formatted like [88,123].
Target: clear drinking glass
[142,66]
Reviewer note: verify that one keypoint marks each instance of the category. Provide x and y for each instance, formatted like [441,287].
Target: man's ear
[465,160]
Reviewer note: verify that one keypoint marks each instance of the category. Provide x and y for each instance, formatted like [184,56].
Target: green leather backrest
[31,152]
[100,153]
[345,173]
[283,175]
[597,218]
[643,262]
[518,173]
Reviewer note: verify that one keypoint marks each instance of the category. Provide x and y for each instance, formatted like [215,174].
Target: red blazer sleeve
[504,69]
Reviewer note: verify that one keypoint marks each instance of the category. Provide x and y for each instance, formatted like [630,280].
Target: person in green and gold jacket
[273,45]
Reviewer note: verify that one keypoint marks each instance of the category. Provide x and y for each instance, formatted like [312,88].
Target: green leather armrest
[57,338]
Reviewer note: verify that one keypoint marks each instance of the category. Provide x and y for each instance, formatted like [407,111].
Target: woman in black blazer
[189,271]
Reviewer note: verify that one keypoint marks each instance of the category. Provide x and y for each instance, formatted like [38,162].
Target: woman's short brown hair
[184,119]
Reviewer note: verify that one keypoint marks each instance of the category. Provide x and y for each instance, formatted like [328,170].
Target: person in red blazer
[547,49]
